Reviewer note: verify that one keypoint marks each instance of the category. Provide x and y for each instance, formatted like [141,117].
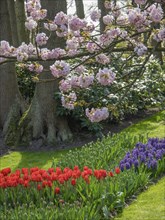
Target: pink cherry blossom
[140,2]
[107,4]
[92,47]
[50,26]
[108,19]
[97,115]
[140,49]
[76,24]
[35,67]
[102,58]
[86,80]
[60,69]
[105,76]
[41,39]
[61,18]
[68,101]
[95,15]
[30,24]
[156,13]
[64,85]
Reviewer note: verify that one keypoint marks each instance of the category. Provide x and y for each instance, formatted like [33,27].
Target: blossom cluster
[105,76]
[53,177]
[97,115]
[147,154]
[35,13]
[35,67]
[81,81]
[59,69]
[68,101]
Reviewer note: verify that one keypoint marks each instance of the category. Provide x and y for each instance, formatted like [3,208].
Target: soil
[80,138]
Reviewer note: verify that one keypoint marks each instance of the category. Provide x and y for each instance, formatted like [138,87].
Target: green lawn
[150,205]
[154,126]
[17,159]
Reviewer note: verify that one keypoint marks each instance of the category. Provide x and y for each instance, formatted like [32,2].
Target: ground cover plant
[96,196]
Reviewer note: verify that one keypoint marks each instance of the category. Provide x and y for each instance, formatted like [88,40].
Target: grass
[17,160]
[154,126]
[149,205]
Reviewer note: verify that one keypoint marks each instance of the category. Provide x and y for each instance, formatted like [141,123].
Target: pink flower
[105,77]
[86,80]
[140,49]
[76,24]
[65,85]
[30,24]
[107,4]
[108,19]
[68,101]
[140,2]
[50,26]
[41,39]
[97,115]
[61,18]
[59,69]
[102,58]
[62,30]
[92,47]
[156,13]
[95,15]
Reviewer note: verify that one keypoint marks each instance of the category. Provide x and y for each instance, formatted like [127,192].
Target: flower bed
[93,193]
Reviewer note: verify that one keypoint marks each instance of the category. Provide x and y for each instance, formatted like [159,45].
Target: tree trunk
[103,13]
[40,121]
[80,8]
[13,23]
[11,103]
[20,20]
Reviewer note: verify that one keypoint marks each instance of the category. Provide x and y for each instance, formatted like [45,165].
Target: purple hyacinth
[147,154]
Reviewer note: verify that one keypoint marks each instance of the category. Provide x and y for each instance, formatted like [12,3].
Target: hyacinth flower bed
[80,193]
[147,155]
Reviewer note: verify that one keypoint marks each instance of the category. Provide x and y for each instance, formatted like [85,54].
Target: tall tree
[103,13]
[11,103]
[40,121]
[20,20]
[80,8]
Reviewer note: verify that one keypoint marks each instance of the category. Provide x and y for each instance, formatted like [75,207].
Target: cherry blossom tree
[67,67]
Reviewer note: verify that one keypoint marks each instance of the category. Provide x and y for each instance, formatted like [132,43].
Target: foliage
[148,91]
[25,82]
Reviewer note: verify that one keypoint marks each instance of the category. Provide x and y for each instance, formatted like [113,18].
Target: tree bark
[103,13]
[80,8]
[11,103]
[20,20]
[13,23]
[41,121]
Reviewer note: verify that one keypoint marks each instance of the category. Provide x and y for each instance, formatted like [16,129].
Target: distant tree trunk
[13,23]
[80,8]
[11,103]
[20,20]
[103,13]
[41,121]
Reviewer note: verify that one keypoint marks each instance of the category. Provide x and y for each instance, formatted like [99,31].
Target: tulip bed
[81,192]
